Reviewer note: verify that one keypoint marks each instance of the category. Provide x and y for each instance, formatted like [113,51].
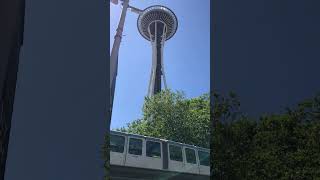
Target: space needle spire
[157,24]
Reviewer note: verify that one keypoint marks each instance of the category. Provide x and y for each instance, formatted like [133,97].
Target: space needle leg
[162,63]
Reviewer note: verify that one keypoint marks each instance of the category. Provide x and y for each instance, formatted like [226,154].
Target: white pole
[115,51]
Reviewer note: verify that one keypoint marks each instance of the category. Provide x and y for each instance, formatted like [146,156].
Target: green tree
[232,135]
[170,115]
[277,146]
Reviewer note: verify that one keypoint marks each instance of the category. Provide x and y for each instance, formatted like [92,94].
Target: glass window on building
[153,149]
[204,158]
[175,153]
[191,156]
[135,146]
[117,143]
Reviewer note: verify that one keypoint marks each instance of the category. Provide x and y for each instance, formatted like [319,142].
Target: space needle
[156,24]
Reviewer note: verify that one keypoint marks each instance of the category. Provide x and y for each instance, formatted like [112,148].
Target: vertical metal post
[115,53]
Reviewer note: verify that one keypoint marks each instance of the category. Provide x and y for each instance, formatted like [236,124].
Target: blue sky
[186,56]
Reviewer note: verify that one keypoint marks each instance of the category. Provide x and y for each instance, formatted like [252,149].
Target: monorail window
[175,153]
[153,149]
[135,146]
[117,143]
[191,156]
[204,158]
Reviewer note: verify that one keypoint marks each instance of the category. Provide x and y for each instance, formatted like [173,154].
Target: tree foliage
[275,146]
[170,115]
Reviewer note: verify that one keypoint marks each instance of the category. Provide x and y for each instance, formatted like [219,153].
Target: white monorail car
[153,153]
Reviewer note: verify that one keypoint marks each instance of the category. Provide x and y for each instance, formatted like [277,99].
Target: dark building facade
[11,39]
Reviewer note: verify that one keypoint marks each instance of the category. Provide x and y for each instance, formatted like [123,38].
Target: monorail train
[154,153]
